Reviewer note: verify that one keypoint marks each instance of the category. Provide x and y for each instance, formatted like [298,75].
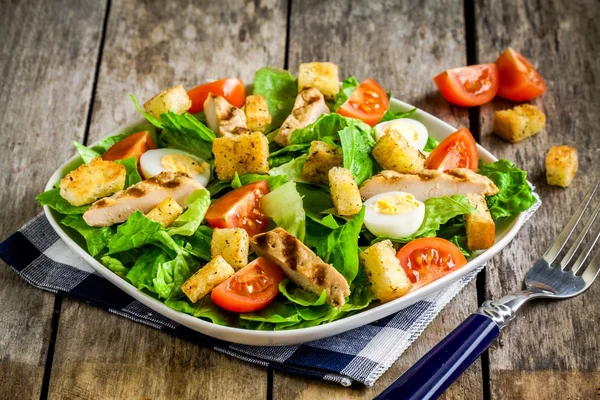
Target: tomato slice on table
[232,89]
[250,289]
[240,208]
[519,80]
[469,86]
[369,102]
[458,150]
[428,259]
[133,145]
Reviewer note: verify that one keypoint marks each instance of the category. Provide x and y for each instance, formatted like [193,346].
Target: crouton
[320,75]
[257,113]
[344,191]
[92,181]
[232,244]
[388,279]
[393,152]
[321,158]
[481,230]
[242,154]
[561,165]
[166,212]
[207,278]
[518,123]
[175,99]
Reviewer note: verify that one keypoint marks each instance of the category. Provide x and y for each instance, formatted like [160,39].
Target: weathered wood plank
[48,54]
[148,48]
[550,350]
[402,46]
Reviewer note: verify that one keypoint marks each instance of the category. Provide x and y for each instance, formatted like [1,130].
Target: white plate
[437,129]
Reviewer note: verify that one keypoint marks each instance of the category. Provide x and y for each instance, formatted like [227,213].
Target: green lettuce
[297,295]
[54,200]
[115,266]
[349,85]
[286,154]
[187,223]
[390,115]
[145,269]
[204,309]
[132,176]
[96,238]
[515,194]
[279,89]
[284,206]
[199,243]
[292,170]
[86,153]
[341,247]
[170,275]
[135,232]
[430,145]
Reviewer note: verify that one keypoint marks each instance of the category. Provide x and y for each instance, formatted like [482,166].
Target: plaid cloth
[39,256]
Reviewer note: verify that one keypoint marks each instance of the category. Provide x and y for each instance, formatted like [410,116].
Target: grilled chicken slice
[142,196]
[301,265]
[429,183]
[223,118]
[308,107]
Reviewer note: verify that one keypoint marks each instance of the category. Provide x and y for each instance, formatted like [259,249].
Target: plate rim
[301,335]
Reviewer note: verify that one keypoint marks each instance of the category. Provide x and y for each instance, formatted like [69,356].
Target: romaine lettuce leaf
[292,171]
[132,176]
[341,247]
[133,233]
[96,238]
[284,206]
[349,85]
[115,266]
[170,275]
[54,200]
[300,296]
[86,153]
[199,243]
[515,195]
[279,89]
[390,115]
[187,223]
[430,145]
[287,154]
[144,271]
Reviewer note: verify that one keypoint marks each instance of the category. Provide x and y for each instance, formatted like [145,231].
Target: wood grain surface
[551,350]
[149,47]
[44,103]
[402,46]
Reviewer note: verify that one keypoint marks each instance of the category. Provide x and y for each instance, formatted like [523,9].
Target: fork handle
[436,370]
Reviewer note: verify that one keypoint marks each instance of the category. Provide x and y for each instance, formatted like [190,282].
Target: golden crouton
[166,212]
[232,244]
[207,278]
[257,113]
[344,191]
[320,75]
[242,154]
[175,99]
[388,279]
[322,156]
[92,181]
[393,152]
[561,165]
[481,230]
[519,123]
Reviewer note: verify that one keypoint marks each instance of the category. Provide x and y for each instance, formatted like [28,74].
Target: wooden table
[67,67]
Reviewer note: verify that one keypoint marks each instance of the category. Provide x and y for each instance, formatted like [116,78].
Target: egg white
[392,225]
[414,131]
[151,164]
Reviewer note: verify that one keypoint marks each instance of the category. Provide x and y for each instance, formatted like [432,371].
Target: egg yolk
[181,163]
[403,129]
[396,204]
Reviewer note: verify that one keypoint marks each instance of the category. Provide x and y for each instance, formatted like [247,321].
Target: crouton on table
[561,165]
[519,123]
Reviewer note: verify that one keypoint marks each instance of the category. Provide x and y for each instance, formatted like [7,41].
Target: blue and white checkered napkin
[38,254]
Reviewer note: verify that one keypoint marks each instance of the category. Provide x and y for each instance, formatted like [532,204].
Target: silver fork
[548,278]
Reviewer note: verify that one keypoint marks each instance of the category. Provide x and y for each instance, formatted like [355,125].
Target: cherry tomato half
[232,90]
[519,80]
[133,145]
[240,208]
[428,259]
[250,289]
[458,150]
[469,86]
[369,102]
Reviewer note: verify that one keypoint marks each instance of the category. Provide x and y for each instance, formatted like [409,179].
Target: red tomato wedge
[469,86]
[519,80]
[240,209]
[250,289]
[428,259]
[368,103]
[458,150]
[133,145]
[232,89]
